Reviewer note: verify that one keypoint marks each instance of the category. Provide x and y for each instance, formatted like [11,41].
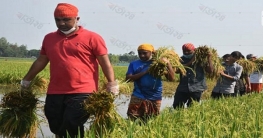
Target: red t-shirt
[73,63]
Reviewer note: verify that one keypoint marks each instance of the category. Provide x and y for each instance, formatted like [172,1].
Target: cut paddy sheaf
[100,105]
[251,66]
[158,68]
[18,117]
[248,66]
[201,54]
[259,63]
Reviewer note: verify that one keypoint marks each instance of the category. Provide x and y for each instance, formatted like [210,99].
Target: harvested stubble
[201,54]
[248,66]
[101,106]
[18,116]
[158,68]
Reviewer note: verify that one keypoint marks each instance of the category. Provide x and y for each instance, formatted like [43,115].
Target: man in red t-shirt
[74,54]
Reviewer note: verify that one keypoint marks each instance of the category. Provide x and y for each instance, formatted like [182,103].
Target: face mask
[188,56]
[70,30]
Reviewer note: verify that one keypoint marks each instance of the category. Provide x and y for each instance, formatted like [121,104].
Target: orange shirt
[73,63]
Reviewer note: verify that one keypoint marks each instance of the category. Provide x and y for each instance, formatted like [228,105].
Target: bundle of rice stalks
[201,54]
[18,116]
[124,87]
[259,63]
[100,104]
[158,68]
[248,66]
[39,83]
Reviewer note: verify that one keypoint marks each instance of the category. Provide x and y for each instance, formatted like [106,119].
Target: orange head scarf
[66,10]
[146,46]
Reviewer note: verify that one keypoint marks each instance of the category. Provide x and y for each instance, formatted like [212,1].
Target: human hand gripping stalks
[160,58]
[124,87]
[18,117]
[201,59]
[39,83]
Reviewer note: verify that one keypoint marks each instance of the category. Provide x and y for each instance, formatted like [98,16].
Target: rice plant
[158,68]
[201,54]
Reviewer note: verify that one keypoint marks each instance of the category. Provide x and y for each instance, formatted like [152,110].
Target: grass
[239,117]
[228,118]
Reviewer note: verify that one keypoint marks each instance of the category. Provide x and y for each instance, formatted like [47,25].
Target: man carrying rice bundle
[147,93]
[256,78]
[192,85]
[74,54]
[226,84]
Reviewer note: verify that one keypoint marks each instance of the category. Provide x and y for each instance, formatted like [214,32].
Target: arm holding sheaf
[106,67]
[210,67]
[132,76]
[247,80]
[112,85]
[170,75]
[36,67]
[188,64]
[239,70]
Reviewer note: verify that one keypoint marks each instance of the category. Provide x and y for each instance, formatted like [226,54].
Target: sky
[224,25]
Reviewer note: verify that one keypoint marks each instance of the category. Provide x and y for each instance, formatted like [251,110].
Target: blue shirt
[194,80]
[146,87]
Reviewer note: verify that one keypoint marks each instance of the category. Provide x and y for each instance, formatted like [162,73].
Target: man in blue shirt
[192,85]
[147,93]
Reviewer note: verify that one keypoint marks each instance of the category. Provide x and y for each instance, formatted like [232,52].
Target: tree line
[14,50]
[8,49]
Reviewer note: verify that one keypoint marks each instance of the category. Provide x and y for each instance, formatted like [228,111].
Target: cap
[188,46]
[249,56]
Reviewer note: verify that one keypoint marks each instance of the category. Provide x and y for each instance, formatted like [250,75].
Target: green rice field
[239,117]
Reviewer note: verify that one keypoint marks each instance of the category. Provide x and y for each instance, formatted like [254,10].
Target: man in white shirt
[256,78]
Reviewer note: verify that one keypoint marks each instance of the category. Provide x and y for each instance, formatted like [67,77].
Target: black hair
[226,56]
[236,54]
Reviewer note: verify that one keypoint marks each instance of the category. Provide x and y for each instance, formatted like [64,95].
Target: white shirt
[256,77]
